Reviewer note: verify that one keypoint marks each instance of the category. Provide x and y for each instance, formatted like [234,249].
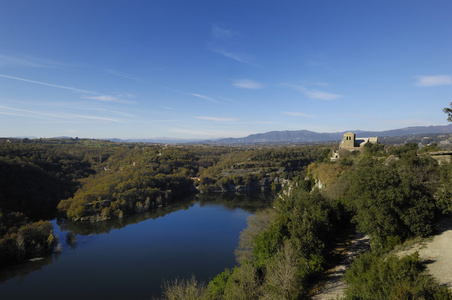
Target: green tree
[448,111]
[381,277]
[390,200]
[256,224]
[243,283]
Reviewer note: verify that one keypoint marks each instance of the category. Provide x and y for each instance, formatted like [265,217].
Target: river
[130,258]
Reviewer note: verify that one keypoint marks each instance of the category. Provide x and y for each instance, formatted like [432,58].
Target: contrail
[50,84]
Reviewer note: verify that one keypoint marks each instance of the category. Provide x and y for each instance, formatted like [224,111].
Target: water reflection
[19,271]
[249,202]
[75,234]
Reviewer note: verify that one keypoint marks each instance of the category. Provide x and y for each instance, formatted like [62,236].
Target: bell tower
[349,140]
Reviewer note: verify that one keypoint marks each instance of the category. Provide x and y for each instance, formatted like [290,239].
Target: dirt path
[437,253]
[333,286]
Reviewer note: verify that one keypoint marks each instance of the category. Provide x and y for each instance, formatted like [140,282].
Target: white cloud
[128,76]
[25,61]
[297,114]
[49,84]
[21,115]
[229,100]
[221,42]
[98,118]
[247,84]
[433,80]
[315,94]
[104,98]
[222,33]
[243,58]
[107,98]
[29,113]
[216,119]
[121,113]
[98,97]
[191,94]
[166,107]
[50,116]
[204,97]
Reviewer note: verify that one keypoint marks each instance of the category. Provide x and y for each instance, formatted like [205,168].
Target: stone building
[350,142]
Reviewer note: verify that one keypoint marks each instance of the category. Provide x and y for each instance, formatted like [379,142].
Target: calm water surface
[130,258]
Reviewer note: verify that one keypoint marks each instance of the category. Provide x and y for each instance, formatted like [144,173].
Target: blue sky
[212,69]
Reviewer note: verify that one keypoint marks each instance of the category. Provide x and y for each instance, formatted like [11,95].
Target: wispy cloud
[204,97]
[314,93]
[120,113]
[229,99]
[243,58]
[247,84]
[128,76]
[433,80]
[21,115]
[97,96]
[216,119]
[50,84]
[98,118]
[222,42]
[26,61]
[108,98]
[222,33]
[6,110]
[166,107]
[297,114]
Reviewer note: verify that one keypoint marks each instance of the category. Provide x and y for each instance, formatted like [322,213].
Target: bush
[379,277]
[185,289]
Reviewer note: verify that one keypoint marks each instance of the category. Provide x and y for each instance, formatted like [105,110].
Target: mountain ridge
[306,136]
[297,136]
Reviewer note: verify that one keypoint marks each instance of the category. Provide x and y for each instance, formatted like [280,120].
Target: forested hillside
[98,180]
[34,177]
[390,193]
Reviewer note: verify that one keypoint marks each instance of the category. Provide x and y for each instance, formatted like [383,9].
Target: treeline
[390,193]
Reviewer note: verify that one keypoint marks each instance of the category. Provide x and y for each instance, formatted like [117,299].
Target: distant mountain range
[300,136]
[305,136]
